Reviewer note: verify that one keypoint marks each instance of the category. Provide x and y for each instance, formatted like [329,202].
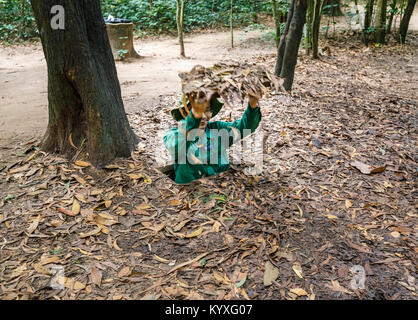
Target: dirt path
[23,76]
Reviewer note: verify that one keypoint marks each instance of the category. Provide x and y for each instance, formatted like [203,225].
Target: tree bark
[231,23]
[403,27]
[316,23]
[309,19]
[180,24]
[22,19]
[293,42]
[367,20]
[276,17]
[392,14]
[283,39]
[381,21]
[84,96]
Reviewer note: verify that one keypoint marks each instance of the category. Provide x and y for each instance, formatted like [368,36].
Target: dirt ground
[297,230]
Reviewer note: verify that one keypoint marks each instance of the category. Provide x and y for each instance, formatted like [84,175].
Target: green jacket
[206,154]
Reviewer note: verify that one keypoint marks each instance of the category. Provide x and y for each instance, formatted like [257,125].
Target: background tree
[231,23]
[381,21]
[276,17]
[392,12]
[180,24]
[290,42]
[403,27]
[316,23]
[368,20]
[84,97]
[282,45]
[308,28]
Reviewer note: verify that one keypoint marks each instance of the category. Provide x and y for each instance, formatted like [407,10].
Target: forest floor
[338,188]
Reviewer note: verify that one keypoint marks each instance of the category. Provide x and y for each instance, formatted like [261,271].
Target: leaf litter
[291,232]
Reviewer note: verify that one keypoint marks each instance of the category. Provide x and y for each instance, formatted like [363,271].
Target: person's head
[204,121]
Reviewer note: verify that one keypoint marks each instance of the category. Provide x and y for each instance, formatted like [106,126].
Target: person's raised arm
[247,124]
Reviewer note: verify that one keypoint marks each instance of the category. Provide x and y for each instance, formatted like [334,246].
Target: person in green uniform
[198,145]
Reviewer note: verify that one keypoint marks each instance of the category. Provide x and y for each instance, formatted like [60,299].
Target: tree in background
[84,97]
[231,23]
[290,41]
[282,45]
[276,17]
[381,21]
[392,11]
[367,21]
[316,23]
[180,24]
[403,27]
[308,28]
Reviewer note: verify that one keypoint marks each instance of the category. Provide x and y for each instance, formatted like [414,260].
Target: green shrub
[16,21]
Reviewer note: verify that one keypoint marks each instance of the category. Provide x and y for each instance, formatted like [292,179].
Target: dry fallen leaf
[180,225]
[70,283]
[66,212]
[364,168]
[94,232]
[75,208]
[297,269]
[194,233]
[32,227]
[271,273]
[299,291]
[96,276]
[82,163]
[124,272]
[175,202]
[348,204]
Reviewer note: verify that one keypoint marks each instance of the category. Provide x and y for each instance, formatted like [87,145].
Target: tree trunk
[121,38]
[276,17]
[85,102]
[381,21]
[316,23]
[293,42]
[283,39]
[309,19]
[403,27]
[367,21]
[335,10]
[392,14]
[180,24]
[22,19]
[231,25]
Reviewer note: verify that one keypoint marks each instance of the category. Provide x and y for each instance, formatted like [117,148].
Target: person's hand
[199,104]
[253,100]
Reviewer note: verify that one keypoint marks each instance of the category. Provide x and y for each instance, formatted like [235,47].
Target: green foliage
[16,21]
[149,16]
[159,16]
